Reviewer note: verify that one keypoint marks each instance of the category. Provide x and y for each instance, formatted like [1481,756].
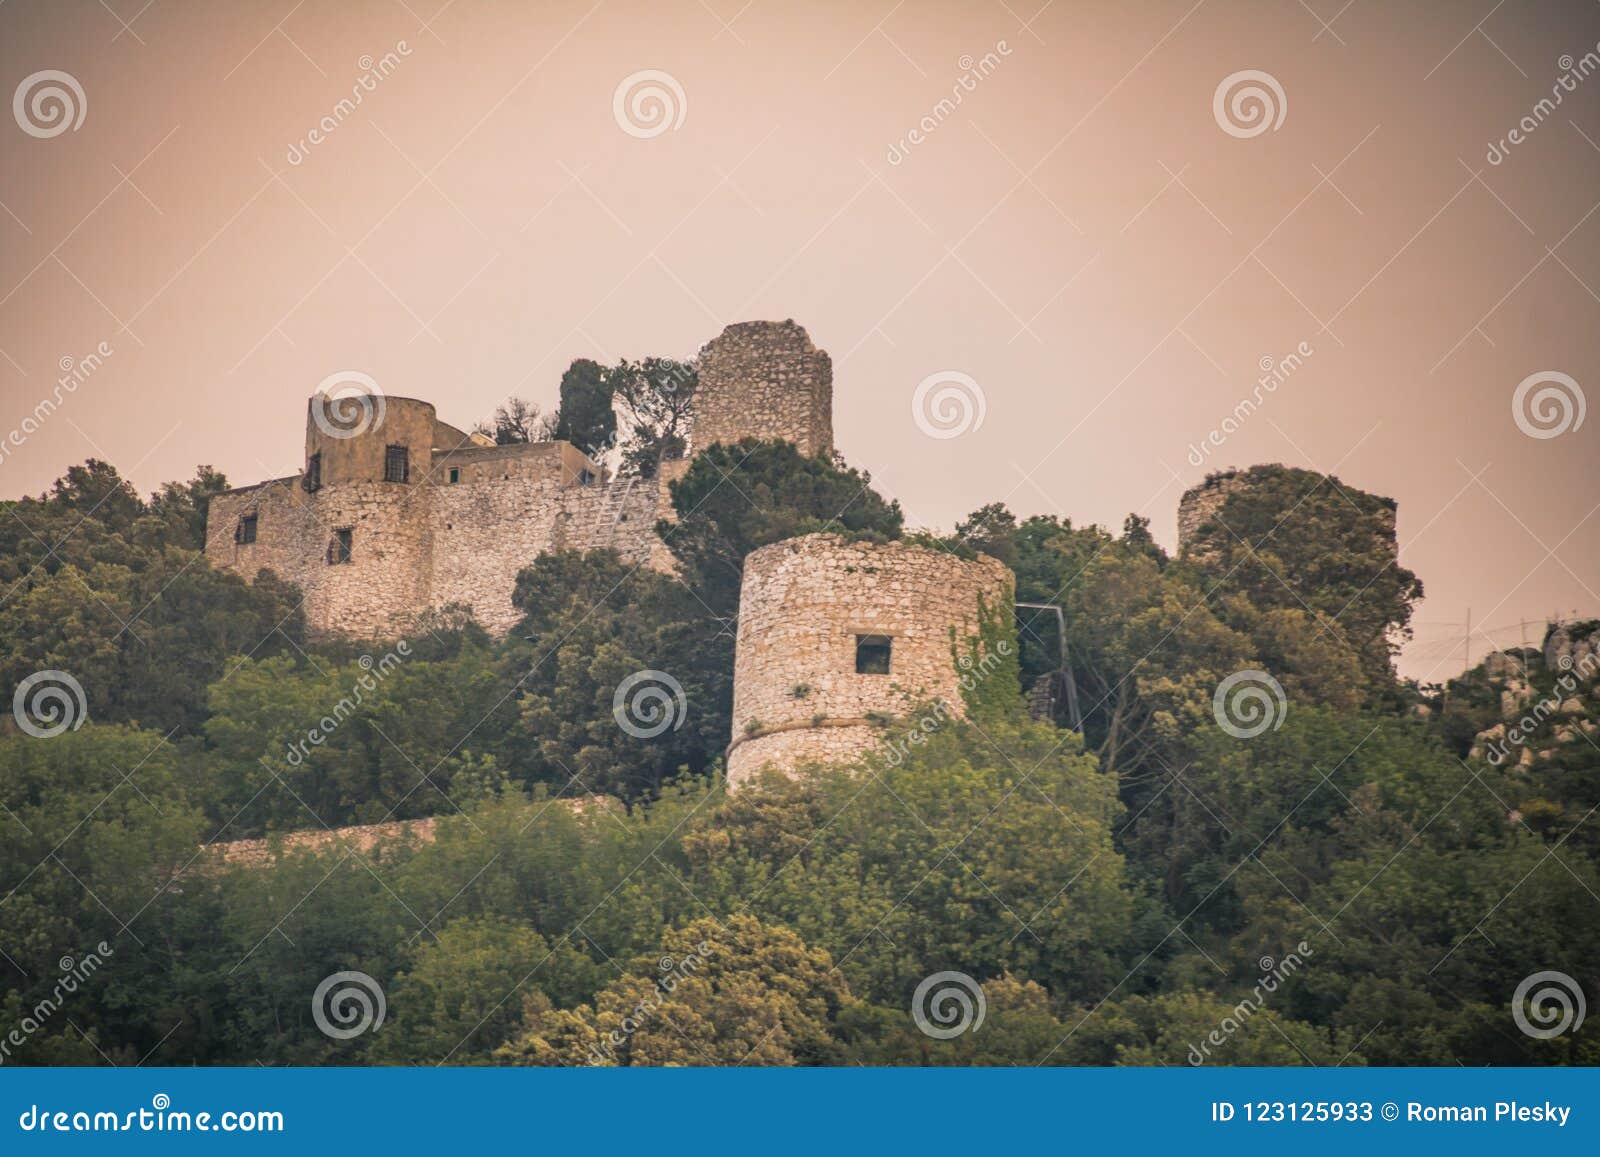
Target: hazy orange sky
[1079,235]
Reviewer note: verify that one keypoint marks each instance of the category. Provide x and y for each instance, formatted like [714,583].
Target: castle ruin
[396,513]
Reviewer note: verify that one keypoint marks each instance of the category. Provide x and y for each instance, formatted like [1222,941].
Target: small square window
[339,546]
[872,654]
[313,478]
[396,464]
[247,530]
[455,475]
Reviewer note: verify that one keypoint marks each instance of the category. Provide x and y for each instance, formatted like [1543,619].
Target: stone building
[396,513]
[835,637]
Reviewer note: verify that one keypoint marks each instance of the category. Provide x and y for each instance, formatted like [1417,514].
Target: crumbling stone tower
[764,379]
[835,637]
[1200,504]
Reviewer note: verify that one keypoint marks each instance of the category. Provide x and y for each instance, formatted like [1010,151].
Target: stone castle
[396,513]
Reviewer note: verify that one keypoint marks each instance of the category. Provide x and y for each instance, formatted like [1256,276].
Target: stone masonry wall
[470,516]
[431,543]
[804,601]
[764,379]
[1200,503]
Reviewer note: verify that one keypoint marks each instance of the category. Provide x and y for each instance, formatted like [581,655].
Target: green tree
[656,397]
[718,992]
[587,418]
[734,499]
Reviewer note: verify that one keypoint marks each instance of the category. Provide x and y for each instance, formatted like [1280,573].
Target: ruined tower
[835,637]
[764,379]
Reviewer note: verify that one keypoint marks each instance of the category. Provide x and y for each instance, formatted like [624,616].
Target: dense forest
[1131,891]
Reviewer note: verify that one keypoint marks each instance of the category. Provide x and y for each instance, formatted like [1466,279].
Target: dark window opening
[872,654]
[585,477]
[396,464]
[247,530]
[455,475]
[313,478]
[339,546]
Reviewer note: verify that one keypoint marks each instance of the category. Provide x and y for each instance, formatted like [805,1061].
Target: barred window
[872,654]
[339,546]
[247,530]
[313,478]
[397,464]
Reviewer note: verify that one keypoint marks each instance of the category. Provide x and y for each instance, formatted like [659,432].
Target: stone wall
[1200,503]
[433,542]
[471,515]
[797,694]
[764,379]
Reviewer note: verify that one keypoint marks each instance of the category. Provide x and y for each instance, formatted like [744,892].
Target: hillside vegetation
[1131,893]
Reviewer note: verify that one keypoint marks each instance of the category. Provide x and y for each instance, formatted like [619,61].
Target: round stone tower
[836,637]
[367,459]
[764,379]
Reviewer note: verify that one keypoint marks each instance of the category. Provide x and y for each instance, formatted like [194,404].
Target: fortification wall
[803,606]
[1200,503]
[484,532]
[764,379]
[377,593]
